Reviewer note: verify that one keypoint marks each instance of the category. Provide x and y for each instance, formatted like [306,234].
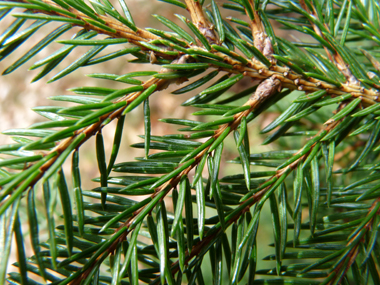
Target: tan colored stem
[262,93]
[201,22]
[272,78]
[253,200]
[335,58]
[253,69]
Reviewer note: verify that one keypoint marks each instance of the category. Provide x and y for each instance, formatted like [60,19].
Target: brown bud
[259,41]
[267,88]
[268,49]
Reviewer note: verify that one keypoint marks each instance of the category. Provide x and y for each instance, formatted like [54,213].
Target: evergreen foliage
[320,181]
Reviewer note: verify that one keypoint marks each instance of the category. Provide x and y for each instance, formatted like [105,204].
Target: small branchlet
[336,58]
[275,67]
[200,21]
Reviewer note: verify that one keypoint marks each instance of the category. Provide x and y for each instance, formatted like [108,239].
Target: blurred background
[18,96]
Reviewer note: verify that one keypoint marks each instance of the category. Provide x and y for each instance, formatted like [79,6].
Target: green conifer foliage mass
[173,216]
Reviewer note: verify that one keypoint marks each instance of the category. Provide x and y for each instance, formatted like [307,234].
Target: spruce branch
[258,196]
[199,19]
[53,159]
[257,70]
[251,51]
[351,251]
[335,57]
[264,91]
[261,40]
[116,29]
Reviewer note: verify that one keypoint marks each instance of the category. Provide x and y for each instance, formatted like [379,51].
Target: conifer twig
[208,51]
[335,58]
[264,91]
[256,69]
[337,274]
[260,39]
[201,22]
[256,197]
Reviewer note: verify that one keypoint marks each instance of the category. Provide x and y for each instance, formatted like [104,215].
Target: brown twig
[258,71]
[272,79]
[265,90]
[200,21]
[260,39]
[353,245]
[253,69]
[252,200]
[335,58]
